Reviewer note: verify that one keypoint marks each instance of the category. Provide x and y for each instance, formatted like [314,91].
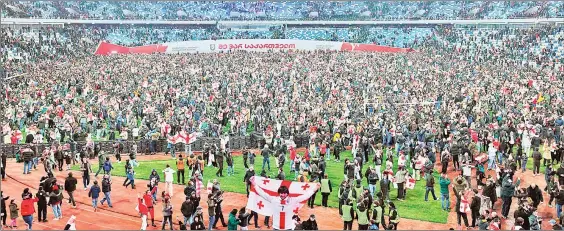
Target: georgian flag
[184,138]
[199,187]
[165,129]
[482,158]
[410,183]
[172,139]
[265,200]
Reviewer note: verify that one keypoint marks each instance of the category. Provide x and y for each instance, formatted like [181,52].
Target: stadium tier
[374,105]
[282,10]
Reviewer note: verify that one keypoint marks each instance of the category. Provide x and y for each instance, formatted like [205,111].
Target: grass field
[414,207]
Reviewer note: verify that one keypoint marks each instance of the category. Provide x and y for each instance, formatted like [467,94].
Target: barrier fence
[143,145]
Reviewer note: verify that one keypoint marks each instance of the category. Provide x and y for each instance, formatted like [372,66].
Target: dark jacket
[535,194]
[475,204]
[3,203]
[54,198]
[42,196]
[244,219]
[560,197]
[248,175]
[94,192]
[309,225]
[508,188]
[106,185]
[187,208]
[27,155]
[70,184]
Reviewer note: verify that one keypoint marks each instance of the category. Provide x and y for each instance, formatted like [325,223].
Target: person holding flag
[283,204]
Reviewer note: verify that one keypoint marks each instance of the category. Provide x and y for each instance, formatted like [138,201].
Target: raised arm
[305,196]
[261,192]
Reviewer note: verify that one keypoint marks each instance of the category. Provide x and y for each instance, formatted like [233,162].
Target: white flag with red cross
[264,199]
[186,138]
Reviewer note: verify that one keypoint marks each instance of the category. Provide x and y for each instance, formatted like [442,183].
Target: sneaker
[74,206]
[56,219]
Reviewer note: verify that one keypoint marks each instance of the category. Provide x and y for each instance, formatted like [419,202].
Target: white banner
[208,46]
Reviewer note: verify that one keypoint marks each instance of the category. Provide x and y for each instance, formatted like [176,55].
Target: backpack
[345,194]
[107,166]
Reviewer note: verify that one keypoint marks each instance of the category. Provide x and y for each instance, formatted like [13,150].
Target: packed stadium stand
[283,10]
[22,44]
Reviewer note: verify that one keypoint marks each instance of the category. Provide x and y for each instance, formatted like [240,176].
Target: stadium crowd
[283,10]
[478,102]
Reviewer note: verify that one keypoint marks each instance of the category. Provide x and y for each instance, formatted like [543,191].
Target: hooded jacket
[508,187]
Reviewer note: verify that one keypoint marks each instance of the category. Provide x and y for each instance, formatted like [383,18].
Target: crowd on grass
[481,112]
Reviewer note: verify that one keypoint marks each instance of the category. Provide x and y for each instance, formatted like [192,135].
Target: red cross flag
[187,138]
[265,200]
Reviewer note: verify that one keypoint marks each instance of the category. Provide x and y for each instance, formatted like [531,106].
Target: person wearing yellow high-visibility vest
[362,214]
[348,215]
[394,217]
[326,189]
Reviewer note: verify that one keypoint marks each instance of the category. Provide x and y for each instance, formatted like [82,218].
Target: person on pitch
[283,207]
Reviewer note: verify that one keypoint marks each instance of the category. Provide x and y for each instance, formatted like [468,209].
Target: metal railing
[143,145]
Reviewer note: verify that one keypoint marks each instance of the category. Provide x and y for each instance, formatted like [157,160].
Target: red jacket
[28,207]
[292,153]
[142,208]
[149,198]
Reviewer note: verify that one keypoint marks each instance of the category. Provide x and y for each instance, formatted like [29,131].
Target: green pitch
[414,207]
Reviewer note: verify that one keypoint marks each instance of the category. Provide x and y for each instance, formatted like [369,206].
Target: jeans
[186,220]
[173,151]
[505,206]
[211,221]
[134,163]
[264,162]
[491,162]
[27,167]
[328,154]
[29,221]
[524,164]
[445,201]
[230,171]
[427,190]
[169,219]
[155,195]
[527,151]
[71,198]
[152,146]
[95,202]
[34,163]
[107,198]
[57,210]
[372,189]
[558,209]
[86,180]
